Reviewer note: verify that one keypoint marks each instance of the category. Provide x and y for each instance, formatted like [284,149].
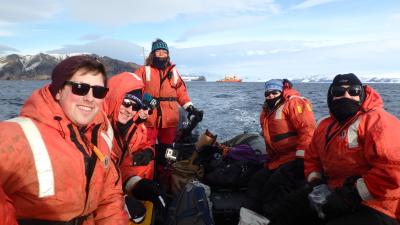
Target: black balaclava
[160,63]
[344,108]
[271,103]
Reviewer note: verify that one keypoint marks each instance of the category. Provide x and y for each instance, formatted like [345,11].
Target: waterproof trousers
[296,210]
[267,188]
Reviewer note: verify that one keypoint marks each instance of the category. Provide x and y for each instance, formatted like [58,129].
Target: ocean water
[229,108]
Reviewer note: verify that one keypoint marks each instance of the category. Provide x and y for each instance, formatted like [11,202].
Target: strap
[76,221]
[169,99]
[280,137]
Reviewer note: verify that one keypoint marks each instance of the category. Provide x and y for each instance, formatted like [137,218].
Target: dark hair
[68,67]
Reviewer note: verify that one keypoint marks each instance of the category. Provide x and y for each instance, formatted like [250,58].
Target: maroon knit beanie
[66,68]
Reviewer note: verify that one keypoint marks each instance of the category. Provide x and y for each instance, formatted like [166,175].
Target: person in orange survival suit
[132,153]
[287,123]
[56,166]
[7,211]
[352,165]
[163,82]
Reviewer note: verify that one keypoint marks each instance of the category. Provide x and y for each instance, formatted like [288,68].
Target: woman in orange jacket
[132,153]
[163,82]
[287,123]
[354,158]
[56,166]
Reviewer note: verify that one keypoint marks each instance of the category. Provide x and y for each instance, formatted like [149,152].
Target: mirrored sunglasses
[353,90]
[129,103]
[82,89]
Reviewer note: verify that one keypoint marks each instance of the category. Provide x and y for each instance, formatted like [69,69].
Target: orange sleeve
[302,118]
[181,92]
[7,210]
[382,146]
[312,163]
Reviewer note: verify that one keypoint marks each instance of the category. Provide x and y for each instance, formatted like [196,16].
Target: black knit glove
[135,208]
[343,200]
[142,158]
[192,111]
[149,190]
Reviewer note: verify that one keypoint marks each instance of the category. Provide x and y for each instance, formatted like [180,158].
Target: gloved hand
[192,111]
[142,158]
[343,200]
[135,208]
[149,190]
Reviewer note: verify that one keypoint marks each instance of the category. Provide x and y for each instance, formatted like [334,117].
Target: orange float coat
[168,87]
[135,139]
[366,145]
[288,128]
[7,211]
[43,167]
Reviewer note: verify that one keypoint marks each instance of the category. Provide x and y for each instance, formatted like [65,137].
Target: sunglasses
[338,91]
[267,93]
[82,89]
[128,103]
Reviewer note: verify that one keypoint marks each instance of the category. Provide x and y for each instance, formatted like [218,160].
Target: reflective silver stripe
[44,169]
[278,112]
[174,77]
[187,104]
[300,153]
[136,76]
[352,134]
[108,137]
[131,182]
[148,73]
[313,175]
[363,190]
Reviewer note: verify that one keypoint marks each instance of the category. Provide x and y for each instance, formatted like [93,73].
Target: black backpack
[191,206]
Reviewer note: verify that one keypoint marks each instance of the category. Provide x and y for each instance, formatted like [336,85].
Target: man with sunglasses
[56,166]
[287,123]
[132,153]
[353,159]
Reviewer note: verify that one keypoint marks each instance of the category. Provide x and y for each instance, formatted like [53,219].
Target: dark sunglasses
[128,103]
[353,90]
[82,89]
[267,93]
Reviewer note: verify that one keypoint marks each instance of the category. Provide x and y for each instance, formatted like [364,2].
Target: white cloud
[118,49]
[128,11]
[6,49]
[220,25]
[90,37]
[312,3]
[26,10]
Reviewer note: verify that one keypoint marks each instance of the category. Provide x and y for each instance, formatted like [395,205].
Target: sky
[254,39]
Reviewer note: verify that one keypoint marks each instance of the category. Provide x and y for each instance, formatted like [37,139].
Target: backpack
[191,206]
[236,169]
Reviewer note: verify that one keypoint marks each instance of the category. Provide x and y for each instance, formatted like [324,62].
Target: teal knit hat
[274,84]
[159,44]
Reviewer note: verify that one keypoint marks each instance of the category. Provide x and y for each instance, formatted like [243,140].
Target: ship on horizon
[230,78]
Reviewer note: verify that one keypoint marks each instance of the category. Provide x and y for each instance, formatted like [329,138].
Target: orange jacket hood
[42,107]
[119,85]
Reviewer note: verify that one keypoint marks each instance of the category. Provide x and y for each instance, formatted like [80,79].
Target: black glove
[343,200]
[148,190]
[192,111]
[135,208]
[143,157]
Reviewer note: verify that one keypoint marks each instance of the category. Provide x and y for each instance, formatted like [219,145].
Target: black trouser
[267,188]
[296,210]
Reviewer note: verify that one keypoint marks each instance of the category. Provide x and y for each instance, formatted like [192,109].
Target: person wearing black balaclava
[352,164]
[163,82]
[287,123]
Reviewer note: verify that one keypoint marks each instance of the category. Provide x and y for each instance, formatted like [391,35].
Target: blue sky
[255,39]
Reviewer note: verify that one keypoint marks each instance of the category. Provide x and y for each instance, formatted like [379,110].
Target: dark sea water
[229,108]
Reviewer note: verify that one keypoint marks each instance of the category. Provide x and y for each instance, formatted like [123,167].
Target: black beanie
[345,79]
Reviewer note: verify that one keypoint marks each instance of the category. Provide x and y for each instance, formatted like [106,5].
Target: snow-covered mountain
[40,66]
[365,78]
